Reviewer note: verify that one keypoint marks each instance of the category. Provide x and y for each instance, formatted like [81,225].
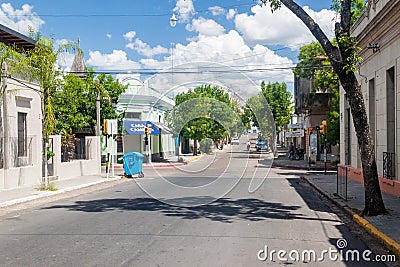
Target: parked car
[261,145]
[235,141]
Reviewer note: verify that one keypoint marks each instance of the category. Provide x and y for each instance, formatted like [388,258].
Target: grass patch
[50,187]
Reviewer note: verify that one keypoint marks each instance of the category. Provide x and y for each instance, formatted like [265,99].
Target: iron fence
[73,149]
[389,166]
[341,181]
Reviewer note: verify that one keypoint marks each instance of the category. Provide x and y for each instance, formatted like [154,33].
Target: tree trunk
[195,148]
[373,197]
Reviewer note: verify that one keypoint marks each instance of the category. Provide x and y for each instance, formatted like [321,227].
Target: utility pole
[97,108]
[5,116]
[98,114]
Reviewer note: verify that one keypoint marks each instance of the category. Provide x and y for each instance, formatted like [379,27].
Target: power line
[193,71]
[125,15]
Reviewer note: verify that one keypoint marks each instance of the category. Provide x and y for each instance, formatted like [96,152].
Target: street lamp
[173,20]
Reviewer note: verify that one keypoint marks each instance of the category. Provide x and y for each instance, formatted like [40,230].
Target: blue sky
[134,35]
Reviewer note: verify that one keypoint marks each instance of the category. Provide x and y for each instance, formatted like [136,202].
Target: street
[183,225]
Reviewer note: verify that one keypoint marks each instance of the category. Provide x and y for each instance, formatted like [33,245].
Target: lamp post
[173,20]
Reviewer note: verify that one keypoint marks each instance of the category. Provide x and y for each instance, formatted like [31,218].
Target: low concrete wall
[20,177]
[391,187]
[75,168]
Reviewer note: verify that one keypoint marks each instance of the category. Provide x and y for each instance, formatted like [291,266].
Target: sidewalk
[284,161]
[384,228]
[23,194]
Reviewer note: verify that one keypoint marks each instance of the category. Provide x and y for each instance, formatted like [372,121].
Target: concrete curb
[302,167]
[162,166]
[51,193]
[389,243]
[165,165]
[194,158]
[346,208]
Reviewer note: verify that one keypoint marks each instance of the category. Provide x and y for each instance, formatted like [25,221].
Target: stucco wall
[24,98]
[380,26]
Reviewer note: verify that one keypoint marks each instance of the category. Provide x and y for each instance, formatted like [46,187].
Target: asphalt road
[201,214]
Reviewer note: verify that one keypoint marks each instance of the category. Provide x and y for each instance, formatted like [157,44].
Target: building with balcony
[311,108]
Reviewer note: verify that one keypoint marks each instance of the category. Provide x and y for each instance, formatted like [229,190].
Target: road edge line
[389,243]
[52,193]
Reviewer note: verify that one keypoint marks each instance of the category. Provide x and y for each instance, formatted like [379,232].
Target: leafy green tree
[43,60]
[280,102]
[274,99]
[204,112]
[68,102]
[343,58]
[75,102]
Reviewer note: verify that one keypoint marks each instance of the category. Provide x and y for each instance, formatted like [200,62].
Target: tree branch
[345,16]
[316,31]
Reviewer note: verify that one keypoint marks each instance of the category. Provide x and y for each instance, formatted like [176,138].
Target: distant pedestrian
[291,151]
[291,147]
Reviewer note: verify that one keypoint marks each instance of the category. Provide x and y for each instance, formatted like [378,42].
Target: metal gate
[49,158]
[341,182]
[389,170]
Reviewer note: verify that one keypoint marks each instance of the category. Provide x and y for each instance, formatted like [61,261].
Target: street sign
[298,133]
[138,127]
[295,126]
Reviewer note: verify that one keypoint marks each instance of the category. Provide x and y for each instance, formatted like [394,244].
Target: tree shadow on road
[224,210]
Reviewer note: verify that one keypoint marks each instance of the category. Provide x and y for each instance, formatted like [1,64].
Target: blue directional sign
[137,127]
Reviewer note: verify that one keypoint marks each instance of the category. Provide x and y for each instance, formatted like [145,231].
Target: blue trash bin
[133,162]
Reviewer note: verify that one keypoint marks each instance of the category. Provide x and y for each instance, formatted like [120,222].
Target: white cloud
[109,36]
[145,49]
[65,60]
[130,35]
[131,78]
[20,19]
[184,9]
[216,10]
[117,60]
[281,27]
[256,63]
[206,27]
[231,14]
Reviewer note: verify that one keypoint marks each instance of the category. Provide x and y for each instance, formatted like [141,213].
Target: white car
[235,141]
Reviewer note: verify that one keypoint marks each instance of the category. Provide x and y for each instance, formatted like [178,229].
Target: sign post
[111,127]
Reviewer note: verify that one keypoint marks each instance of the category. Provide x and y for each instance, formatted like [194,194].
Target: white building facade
[378,33]
[142,106]
[21,134]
